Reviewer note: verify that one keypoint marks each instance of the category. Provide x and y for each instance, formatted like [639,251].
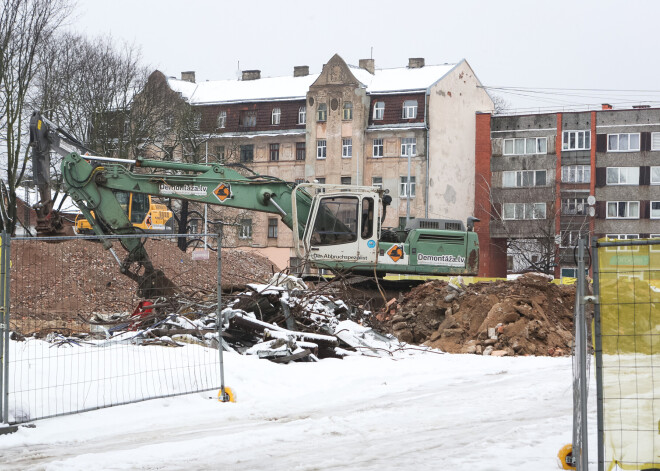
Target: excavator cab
[343,228]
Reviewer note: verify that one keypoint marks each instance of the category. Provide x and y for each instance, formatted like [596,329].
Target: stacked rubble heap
[527,316]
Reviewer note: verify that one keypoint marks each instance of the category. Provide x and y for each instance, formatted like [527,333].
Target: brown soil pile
[528,316]
[55,286]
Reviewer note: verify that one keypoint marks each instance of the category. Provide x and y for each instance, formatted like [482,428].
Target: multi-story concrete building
[536,174]
[409,130]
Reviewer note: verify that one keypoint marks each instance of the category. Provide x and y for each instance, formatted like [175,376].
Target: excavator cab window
[123,200]
[336,221]
[367,218]
[139,207]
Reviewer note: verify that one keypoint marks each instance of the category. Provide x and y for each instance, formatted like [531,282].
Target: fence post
[598,351]
[4,335]
[580,413]
[219,318]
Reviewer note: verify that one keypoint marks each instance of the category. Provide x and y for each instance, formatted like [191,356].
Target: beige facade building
[354,125]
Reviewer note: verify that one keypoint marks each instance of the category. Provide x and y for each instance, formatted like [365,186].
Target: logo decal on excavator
[396,253]
[222,192]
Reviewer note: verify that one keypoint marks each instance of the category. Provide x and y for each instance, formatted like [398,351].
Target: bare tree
[26,26]
[501,104]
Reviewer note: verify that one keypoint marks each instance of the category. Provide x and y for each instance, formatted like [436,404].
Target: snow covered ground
[419,411]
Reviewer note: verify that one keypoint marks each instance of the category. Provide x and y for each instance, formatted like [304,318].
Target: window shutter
[644,209]
[601,176]
[600,209]
[601,142]
[645,143]
[645,175]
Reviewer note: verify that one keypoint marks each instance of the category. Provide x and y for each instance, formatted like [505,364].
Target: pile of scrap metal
[281,321]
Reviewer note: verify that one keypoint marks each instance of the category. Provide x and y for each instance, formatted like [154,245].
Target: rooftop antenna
[238,70]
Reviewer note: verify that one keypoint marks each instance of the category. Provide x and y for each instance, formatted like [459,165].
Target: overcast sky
[603,45]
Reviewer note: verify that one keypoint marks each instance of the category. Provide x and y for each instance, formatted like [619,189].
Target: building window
[345,180]
[347,148]
[221,122]
[302,114]
[574,206]
[408,146]
[655,141]
[623,236]
[248,119]
[347,111]
[378,148]
[409,109]
[322,112]
[407,189]
[530,145]
[377,181]
[169,120]
[655,175]
[576,174]
[245,231]
[655,209]
[320,180]
[523,178]
[623,175]
[622,142]
[576,140]
[402,222]
[275,116]
[570,238]
[220,154]
[247,153]
[523,211]
[299,181]
[571,272]
[197,120]
[300,151]
[379,110]
[274,152]
[272,228]
[321,149]
[623,210]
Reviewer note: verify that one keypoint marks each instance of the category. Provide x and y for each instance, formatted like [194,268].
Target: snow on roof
[401,79]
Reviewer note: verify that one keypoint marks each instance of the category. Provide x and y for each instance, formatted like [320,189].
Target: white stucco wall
[453,102]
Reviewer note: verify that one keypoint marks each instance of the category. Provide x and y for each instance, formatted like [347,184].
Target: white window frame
[654,236]
[619,172]
[302,114]
[245,230]
[377,181]
[346,148]
[273,228]
[656,170]
[566,140]
[538,145]
[221,120]
[379,110]
[576,174]
[347,111]
[570,238]
[579,205]
[653,215]
[321,148]
[409,110]
[616,138]
[275,116]
[518,177]
[408,146]
[622,236]
[655,141]
[378,148]
[628,205]
[322,112]
[403,186]
[520,211]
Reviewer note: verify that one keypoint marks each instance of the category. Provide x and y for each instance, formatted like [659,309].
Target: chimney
[188,76]
[301,71]
[251,74]
[369,65]
[606,106]
[415,62]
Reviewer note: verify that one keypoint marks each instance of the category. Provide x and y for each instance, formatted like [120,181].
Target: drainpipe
[426,128]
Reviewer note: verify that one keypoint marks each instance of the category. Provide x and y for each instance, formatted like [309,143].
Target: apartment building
[544,180]
[409,130]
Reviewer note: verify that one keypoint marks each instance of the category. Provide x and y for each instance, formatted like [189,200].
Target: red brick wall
[288,116]
[394,108]
[492,252]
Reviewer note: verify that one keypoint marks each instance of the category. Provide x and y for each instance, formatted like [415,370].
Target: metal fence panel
[627,335]
[70,350]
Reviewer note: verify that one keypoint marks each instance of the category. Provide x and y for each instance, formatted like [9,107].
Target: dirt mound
[54,284]
[528,316]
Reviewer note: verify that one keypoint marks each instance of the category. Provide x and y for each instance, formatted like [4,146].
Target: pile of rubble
[526,316]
